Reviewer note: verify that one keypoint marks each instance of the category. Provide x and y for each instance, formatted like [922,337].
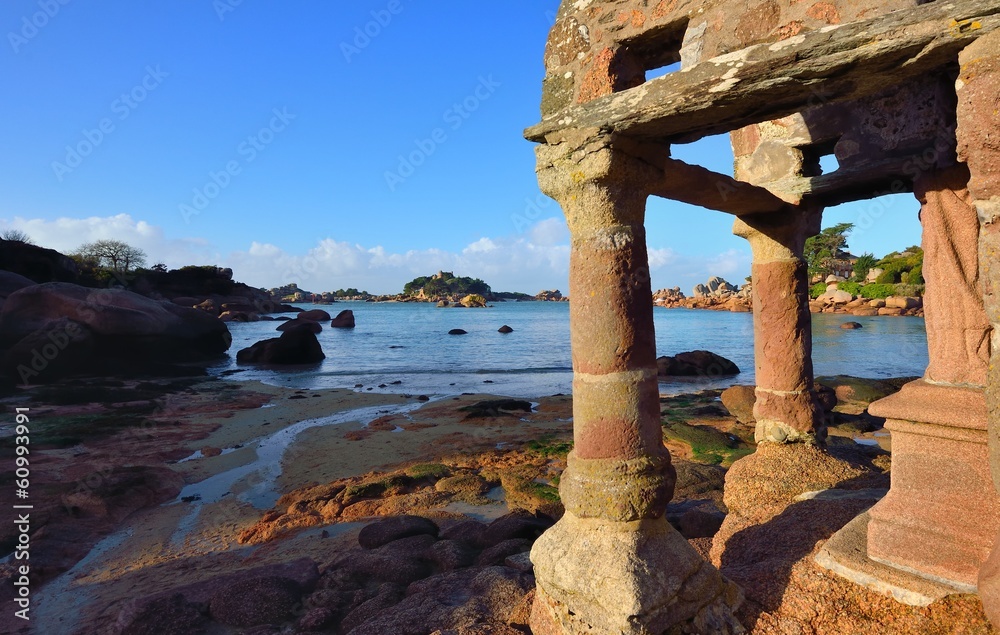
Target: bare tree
[16,236]
[116,255]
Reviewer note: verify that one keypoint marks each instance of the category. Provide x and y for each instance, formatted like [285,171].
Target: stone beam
[700,186]
[768,81]
[870,180]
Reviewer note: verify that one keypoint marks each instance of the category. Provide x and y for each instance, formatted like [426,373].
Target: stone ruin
[905,94]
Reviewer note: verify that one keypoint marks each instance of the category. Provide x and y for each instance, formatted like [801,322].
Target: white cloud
[531,261]
[68,234]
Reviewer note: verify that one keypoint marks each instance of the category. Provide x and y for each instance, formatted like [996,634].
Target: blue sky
[268,137]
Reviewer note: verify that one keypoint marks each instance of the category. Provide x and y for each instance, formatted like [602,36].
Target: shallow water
[409,343]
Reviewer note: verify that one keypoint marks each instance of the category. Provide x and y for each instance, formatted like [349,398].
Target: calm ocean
[409,343]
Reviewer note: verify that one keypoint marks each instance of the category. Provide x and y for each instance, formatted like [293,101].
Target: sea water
[409,343]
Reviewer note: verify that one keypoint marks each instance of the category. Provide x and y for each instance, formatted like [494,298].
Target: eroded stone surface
[647,580]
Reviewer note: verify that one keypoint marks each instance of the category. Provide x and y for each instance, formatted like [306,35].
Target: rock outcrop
[37,263]
[715,287]
[472,301]
[295,346]
[344,320]
[45,327]
[696,364]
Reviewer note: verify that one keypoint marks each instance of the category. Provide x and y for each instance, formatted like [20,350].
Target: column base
[942,512]
[627,578]
[846,554]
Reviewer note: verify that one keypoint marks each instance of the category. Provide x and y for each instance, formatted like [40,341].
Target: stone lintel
[702,187]
[846,554]
[919,401]
[848,184]
[768,81]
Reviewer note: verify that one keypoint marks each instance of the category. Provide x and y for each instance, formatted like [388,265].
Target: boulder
[902,302]
[256,601]
[288,325]
[836,297]
[238,316]
[457,332]
[394,528]
[165,615]
[316,315]
[344,320]
[864,312]
[851,325]
[37,263]
[877,304]
[62,348]
[891,311]
[826,397]
[470,532]
[695,364]
[499,552]
[700,523]
[516,525]
[11,282]
[505,329]
[129,332]
[295,346]
[442,304]
[473,301]
[832,279]
[739,401]
[449,555]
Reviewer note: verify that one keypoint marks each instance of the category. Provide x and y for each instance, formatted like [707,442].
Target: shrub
[887,277]
[915,276]
[817,290]
[877,291]
[851,287]
[909,290]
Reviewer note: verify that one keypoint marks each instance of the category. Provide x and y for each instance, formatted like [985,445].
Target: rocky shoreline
[464,483]
[719,295]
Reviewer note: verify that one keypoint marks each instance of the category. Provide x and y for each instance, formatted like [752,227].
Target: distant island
[443,286]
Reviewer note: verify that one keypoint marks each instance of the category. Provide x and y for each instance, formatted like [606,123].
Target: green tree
[864,263]
[114,255]
[823,247]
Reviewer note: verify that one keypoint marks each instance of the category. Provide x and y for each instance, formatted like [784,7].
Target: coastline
[435,458]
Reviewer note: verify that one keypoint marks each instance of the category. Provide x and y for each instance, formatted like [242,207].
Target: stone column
[978,133]
[613,564]
[786,409]
[941,513]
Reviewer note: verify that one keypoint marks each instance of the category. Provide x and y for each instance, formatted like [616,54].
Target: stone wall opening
[658,50]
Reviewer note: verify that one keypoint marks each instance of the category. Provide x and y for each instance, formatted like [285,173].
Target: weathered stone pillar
[979,146]
[613,564]
[940,515]
[787,409]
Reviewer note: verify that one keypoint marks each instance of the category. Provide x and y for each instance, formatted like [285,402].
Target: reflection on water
[409,343]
